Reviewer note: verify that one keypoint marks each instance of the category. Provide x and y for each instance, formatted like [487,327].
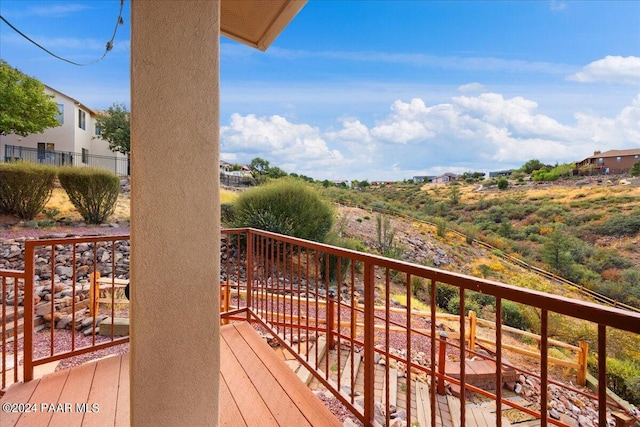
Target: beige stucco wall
[175,216]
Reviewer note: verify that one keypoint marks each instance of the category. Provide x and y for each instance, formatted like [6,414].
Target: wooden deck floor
[256,388]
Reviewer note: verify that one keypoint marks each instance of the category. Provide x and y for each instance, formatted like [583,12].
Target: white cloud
[611,69]
[468,133]
[471,87]
[424,60]
[557,6]
[294,147]
[54,10]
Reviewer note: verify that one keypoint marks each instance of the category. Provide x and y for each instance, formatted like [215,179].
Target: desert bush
[623,377]
[469,305]
[93,192]
[512,316]
[417,284]
[441,226]
[482,300]
[444,294]
[620,225]
[470,232]
[503,183]
[25,188]
[287,206]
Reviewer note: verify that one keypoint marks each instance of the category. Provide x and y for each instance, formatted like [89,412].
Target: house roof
[257,23]
[75,101]
[616,153]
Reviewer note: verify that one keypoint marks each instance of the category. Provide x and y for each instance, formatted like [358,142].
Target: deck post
[249,270]
[29,272]
[472,331]
[369,336]
[331,322]
[582,361]
[442,361]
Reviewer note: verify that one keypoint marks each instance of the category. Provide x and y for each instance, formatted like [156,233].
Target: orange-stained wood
[257,388]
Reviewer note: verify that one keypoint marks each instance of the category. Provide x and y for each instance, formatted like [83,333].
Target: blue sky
[385,89]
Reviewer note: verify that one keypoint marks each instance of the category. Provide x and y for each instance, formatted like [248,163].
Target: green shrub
[286,206]
[620,225]
[623,378]
[454,306]
[470,232]
[503,183]
[483,300]
[25,188]
[513,316]
[441,226]
[444,294]
[417,284]
[93,192]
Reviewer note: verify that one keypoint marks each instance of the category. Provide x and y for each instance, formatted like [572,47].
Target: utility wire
[108,47]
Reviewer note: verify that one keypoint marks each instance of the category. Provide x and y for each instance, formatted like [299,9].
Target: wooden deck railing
[49,260]
[306,294]
[291,287]
[10,283]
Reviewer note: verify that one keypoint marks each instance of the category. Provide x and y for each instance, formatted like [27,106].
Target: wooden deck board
[104,392]
[232,415]
[256,388]
[122,405]
[21,393]
[252,405]
[271,372]
[47,392]
[76,390]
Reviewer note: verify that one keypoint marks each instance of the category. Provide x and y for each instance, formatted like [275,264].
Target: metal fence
[117,165]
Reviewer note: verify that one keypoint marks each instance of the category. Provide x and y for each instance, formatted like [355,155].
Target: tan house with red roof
[612,161]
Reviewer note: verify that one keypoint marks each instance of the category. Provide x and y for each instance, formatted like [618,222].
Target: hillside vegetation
[584,230]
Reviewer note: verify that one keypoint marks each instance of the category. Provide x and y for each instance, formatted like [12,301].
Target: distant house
[612,161]
[379,183]
[75,142]
[425,178]
[501,173]
[225,166]
[445,178]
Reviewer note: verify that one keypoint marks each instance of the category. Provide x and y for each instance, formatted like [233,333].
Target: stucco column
[175,216]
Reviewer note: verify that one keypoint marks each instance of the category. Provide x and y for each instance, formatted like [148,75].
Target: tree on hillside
[635,170]
[25,108]
[556,252]
[115,128]
[275,172]
[532,165]
[259,166]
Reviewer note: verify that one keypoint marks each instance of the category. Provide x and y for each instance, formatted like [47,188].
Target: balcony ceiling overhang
[257,22]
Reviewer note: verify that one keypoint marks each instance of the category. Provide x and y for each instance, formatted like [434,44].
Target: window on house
[46,151]
[60,114]
[618,159]
[82,119]
[98,131]
[85,156]
[636,157]
[601,160]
